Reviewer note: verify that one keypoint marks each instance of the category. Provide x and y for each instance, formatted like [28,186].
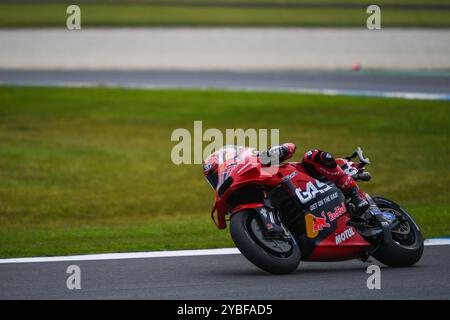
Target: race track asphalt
[414,82]
[225,277]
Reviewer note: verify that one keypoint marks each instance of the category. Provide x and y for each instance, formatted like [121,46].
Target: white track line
[437,242]
[157,254]
[326,92]
[127,255]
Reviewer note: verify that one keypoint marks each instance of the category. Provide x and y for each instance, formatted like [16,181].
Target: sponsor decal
[323,201]
[312,189]
[329,172]
[315,224]
[338,211]
[347,234]
[289,177]
[320,223]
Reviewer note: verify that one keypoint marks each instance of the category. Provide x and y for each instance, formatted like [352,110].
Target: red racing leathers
[321,165]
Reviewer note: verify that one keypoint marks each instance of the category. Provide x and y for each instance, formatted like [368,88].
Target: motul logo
[347,234]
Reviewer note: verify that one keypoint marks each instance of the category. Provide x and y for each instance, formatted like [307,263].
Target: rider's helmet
[210,169]
[219,159]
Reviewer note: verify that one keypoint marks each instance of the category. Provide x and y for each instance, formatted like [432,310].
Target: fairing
[326,236]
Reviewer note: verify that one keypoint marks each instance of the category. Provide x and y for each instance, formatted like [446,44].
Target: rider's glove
[278,154]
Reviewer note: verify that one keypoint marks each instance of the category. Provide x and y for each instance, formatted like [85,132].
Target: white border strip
[437,242]
[126,255]
[159,254]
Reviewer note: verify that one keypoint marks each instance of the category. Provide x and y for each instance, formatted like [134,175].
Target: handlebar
[359,153]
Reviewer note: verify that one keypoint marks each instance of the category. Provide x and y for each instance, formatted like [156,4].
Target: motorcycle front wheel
[406,247]
[273,256]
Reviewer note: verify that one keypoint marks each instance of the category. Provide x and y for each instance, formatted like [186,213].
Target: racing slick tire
[273,256]
[406,247]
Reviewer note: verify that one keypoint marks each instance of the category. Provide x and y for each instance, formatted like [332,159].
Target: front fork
[270,221]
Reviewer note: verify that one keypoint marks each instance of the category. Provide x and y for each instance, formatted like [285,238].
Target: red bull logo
[315,224]
[320,223]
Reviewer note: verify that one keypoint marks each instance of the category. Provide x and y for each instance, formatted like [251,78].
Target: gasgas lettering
[347,234]
[312,189]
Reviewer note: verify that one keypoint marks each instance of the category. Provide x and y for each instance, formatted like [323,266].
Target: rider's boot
[359,201]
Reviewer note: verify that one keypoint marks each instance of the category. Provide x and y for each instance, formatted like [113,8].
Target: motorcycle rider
[321,165]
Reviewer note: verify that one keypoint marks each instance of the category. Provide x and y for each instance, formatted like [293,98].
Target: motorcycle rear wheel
[406,247]
[273,256]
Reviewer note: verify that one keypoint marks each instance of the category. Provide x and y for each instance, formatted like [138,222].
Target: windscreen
[228,158]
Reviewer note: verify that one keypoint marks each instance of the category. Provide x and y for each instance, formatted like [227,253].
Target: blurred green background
[86,170]
[229,13]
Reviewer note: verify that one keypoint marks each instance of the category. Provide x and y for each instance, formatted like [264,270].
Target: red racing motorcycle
[315,215]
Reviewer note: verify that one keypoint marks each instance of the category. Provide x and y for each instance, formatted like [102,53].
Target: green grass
[155,234]
[113,15]
[89,170]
